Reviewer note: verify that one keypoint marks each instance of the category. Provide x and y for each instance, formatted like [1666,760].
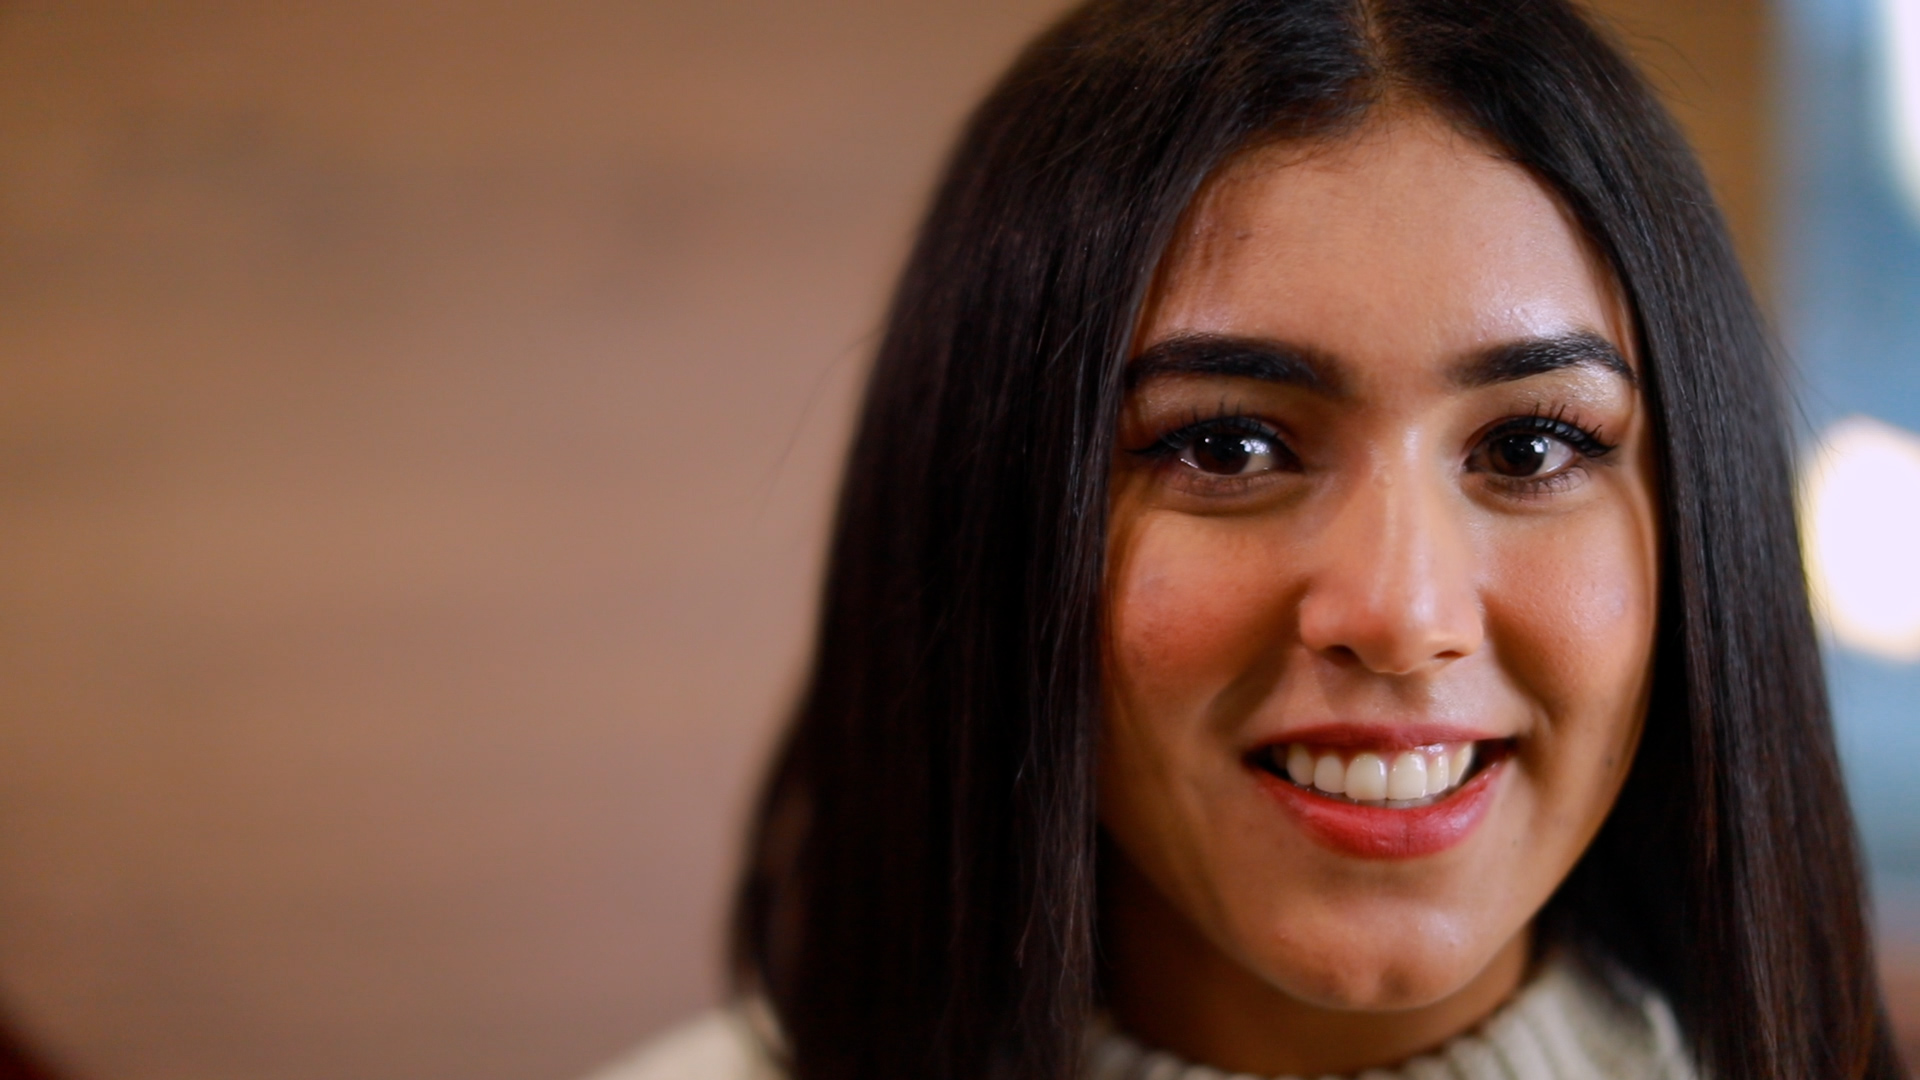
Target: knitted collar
[1570,1022]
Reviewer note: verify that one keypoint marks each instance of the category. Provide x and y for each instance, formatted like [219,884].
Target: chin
[1386,963]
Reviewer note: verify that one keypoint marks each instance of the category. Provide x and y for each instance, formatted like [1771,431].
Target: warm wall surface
[1714,61]
[417,431]
[418,426]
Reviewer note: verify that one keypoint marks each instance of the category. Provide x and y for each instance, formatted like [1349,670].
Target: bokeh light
[1901,25]
[1861,507]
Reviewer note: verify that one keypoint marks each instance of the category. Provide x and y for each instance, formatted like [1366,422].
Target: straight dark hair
[919,898]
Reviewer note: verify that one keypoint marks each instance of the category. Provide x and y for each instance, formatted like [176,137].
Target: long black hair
[919,899]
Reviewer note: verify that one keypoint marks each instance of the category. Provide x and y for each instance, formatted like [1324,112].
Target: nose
[1393,585]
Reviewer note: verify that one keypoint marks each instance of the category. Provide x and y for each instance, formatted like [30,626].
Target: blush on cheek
[1582,614]
[1184,604]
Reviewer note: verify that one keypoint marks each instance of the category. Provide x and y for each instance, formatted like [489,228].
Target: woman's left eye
[1537,448]
[1522,455]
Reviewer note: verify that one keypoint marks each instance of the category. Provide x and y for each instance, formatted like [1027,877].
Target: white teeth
[1300,765]
[1405,776]
[1462,756]
[1408,777]
[1330,775]
[1367,778]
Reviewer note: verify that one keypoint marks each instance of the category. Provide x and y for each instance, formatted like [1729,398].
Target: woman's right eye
[1232,447]
[1230,454]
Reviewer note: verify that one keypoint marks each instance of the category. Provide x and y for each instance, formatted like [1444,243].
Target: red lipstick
[1380,737]
[1380,832]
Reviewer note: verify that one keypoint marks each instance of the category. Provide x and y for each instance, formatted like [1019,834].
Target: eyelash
[1589,443]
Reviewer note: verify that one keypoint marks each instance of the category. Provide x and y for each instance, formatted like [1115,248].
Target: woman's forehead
[1406,238]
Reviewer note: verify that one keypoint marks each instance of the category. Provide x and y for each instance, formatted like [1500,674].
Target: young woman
[1315,590]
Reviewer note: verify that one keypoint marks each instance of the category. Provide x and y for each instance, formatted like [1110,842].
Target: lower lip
[1378,832]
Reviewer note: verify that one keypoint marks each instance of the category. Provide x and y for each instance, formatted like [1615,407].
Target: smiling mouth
[1395,779]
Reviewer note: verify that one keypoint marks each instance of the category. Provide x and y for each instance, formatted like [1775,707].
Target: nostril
[1342,654]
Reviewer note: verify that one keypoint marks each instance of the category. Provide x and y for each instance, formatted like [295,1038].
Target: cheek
[1572,610]
[1191,602]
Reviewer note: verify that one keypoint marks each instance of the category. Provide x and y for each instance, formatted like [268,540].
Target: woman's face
[1382,580]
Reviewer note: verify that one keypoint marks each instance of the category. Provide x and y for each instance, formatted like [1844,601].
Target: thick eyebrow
[1230,357]
[1515,360]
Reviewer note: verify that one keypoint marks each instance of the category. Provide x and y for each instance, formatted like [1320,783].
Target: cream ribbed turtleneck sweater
[1567,1023]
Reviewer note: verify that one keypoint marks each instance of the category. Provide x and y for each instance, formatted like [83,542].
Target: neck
[1170,986]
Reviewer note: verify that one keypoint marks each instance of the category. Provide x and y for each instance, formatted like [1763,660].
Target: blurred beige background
[417,427]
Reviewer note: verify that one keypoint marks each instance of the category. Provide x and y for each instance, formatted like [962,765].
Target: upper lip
[1378,735]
